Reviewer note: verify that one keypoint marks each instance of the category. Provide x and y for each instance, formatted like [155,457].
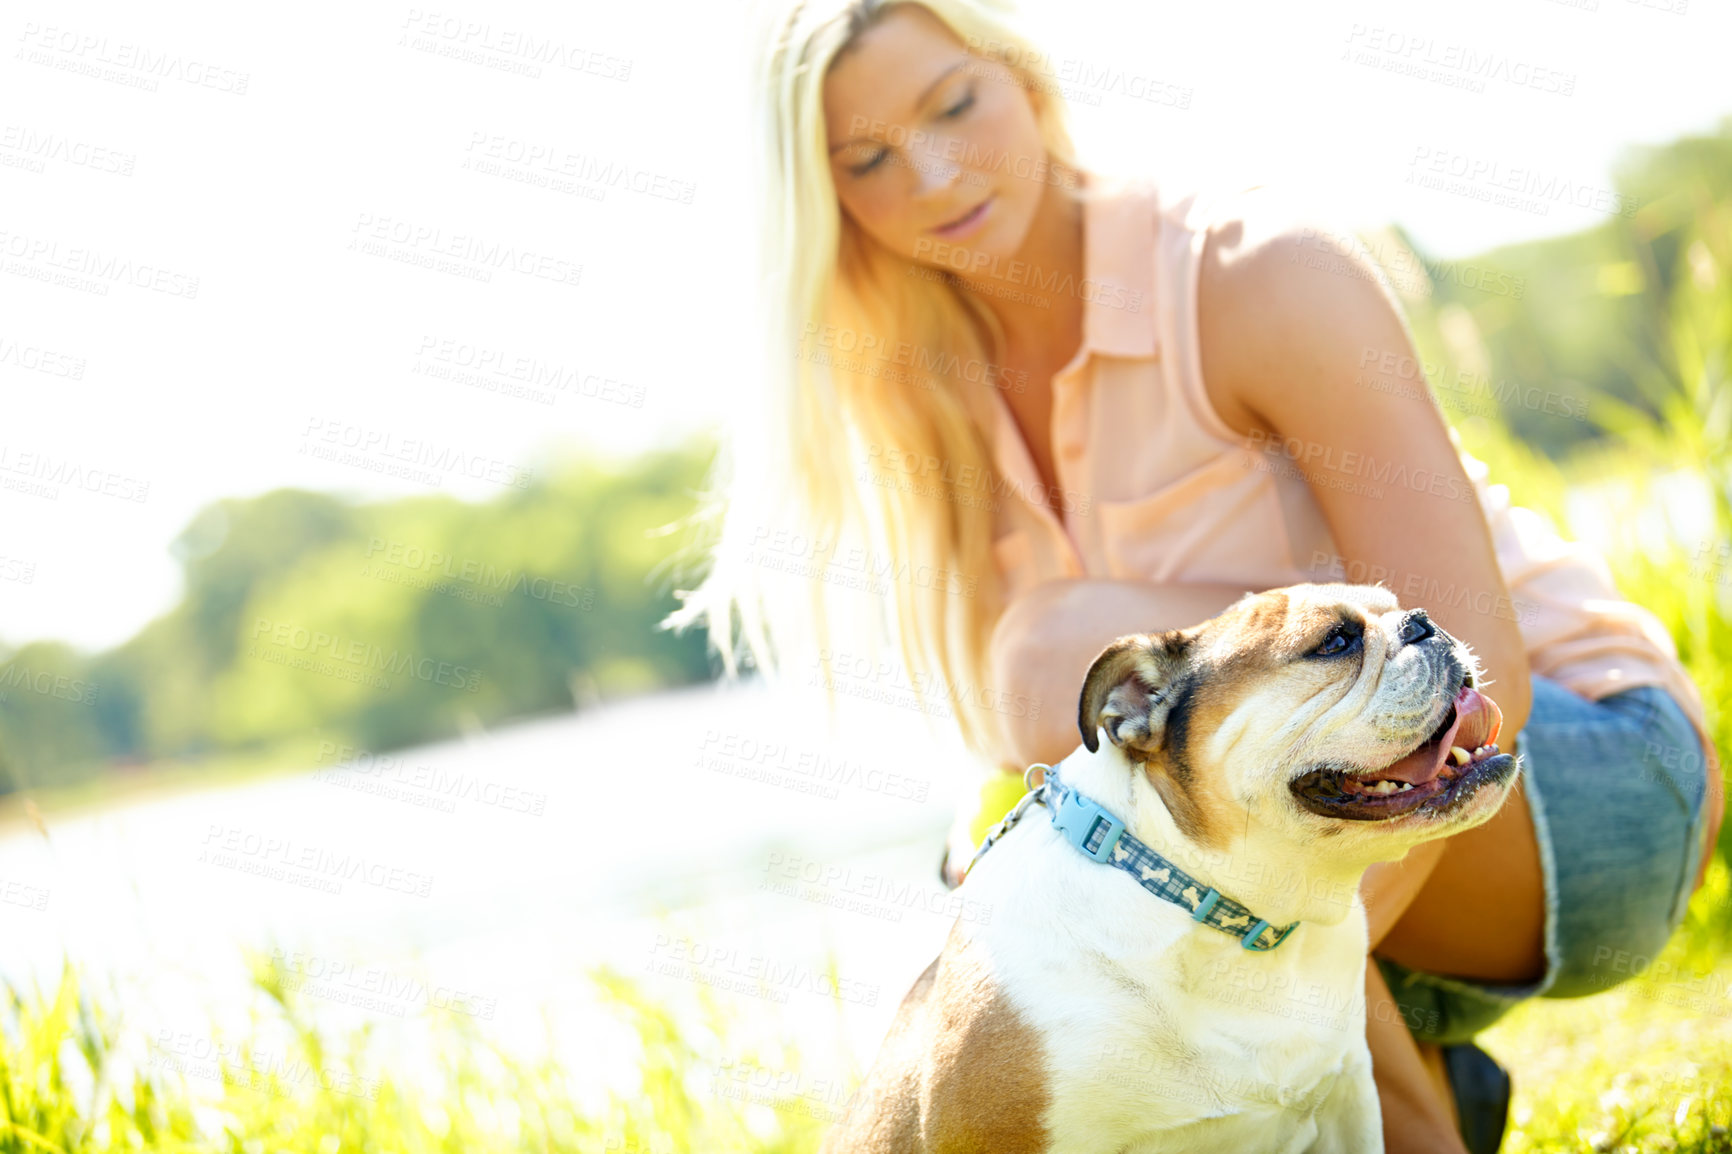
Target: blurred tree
[1582,316]
[378,624]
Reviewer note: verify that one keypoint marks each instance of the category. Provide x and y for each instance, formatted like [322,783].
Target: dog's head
[1311,711]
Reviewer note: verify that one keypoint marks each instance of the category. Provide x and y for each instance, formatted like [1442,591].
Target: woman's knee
[1623,811]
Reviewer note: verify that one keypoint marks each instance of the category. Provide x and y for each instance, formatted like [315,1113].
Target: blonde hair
[816,456]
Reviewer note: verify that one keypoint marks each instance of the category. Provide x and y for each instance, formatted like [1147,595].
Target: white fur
[1166,1035]
[1163,1035]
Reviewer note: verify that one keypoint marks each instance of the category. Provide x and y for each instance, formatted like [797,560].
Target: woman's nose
[934,172]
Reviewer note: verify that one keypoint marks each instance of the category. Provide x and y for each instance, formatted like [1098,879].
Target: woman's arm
[1291,349]
[1290,346]
[1283,345]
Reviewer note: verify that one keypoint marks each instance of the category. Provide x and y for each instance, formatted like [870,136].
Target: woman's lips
[965,223]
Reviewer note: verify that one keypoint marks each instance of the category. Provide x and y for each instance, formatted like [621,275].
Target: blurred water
[722,837]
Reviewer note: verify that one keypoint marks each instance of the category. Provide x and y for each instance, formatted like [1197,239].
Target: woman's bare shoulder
[1282,284]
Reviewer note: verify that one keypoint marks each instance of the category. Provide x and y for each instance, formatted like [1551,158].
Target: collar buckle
[1087,825]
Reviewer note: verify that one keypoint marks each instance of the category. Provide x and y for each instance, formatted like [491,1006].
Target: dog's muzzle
[1438,776]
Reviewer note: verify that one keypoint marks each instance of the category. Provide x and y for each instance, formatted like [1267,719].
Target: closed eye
[863,168]
[951,113]
[1346,637]
[960,106]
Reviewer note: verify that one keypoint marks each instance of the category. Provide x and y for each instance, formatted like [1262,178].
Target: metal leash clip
[1036,793]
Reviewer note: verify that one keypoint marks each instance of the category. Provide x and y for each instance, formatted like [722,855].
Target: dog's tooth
[1459,755]
[1403,787]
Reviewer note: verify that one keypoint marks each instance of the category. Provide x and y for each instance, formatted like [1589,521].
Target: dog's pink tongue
[1477,721]
[1416,768]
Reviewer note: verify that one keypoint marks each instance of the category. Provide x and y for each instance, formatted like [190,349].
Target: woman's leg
[1593,854]
[1412,1092]
[1481,913]
[1467,906]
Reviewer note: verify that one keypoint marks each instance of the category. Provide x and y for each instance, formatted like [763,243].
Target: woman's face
[932,149]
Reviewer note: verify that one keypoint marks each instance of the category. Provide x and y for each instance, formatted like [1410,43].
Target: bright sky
[302,166]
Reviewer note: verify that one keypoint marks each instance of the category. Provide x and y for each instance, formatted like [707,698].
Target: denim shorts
[1616,788]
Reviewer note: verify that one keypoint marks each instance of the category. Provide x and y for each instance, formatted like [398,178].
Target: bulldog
[1176,956]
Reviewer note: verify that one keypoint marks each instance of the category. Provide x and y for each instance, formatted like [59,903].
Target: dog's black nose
[1416,626]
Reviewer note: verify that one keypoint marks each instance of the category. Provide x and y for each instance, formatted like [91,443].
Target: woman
[1097,409]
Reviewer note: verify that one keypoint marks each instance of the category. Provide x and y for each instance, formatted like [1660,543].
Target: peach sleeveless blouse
[1155,486]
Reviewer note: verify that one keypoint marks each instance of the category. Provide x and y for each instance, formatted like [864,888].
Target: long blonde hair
[816,473]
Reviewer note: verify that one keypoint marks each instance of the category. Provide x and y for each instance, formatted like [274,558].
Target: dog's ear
[1126,690]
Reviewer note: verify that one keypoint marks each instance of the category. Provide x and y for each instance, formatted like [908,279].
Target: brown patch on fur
[1266,617]
[959,1071]
[1152,692]
[885,1115]
[1187,810]
[1239,652]
[1210,809]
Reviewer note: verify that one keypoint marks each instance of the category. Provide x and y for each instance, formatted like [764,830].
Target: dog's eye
[1344,638]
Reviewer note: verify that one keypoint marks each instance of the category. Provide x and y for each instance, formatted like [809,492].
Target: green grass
[1645,1066]
[74,1077]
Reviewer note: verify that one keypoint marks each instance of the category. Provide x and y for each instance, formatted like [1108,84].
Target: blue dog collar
[1097,834]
